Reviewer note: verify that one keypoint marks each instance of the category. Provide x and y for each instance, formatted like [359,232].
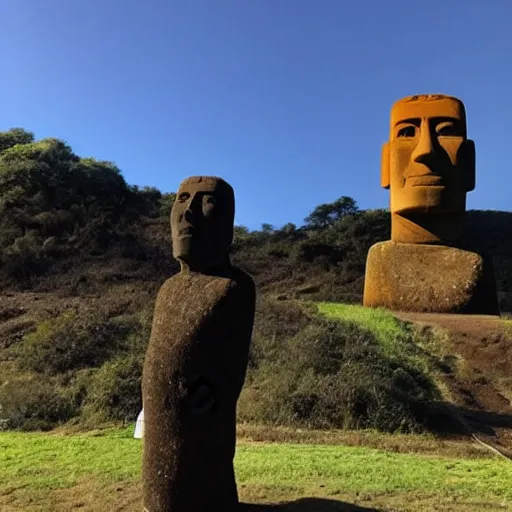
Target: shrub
[70,341]
[33,403]
[113,392]
[115,389]
[332,374]
[24,258]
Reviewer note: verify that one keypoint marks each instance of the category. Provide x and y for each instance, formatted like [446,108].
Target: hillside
[478,381]
[83,254]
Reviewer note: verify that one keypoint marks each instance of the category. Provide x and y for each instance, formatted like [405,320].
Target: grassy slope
[396,337]
[386,328]
[43,472]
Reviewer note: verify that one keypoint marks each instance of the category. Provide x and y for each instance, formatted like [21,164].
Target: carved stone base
[429,278]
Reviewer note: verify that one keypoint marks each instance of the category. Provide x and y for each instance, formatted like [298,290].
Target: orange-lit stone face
[428,163]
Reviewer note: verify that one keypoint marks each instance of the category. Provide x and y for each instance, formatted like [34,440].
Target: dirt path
[481,385]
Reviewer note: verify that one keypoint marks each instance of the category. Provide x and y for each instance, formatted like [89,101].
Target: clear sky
[288,100]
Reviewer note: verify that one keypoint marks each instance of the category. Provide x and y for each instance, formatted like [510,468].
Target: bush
[332,374]
[24,258]
[69,342]
[33,403]
[92,367]
[115,389]
[113,392]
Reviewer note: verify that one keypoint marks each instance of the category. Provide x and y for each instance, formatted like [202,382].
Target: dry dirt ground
[481,386]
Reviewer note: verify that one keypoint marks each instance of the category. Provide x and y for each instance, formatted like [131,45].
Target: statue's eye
[183,196]
[407,131]
[210,200]
[447,129]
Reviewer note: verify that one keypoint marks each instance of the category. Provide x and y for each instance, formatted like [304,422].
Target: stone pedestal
[429,278]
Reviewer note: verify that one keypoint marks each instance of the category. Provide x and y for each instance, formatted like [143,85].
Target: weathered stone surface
[428,165]
[428,278]
[196,360]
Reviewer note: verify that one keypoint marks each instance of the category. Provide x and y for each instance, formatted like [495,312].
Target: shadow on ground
[489,419]
[443,419]
[307,505]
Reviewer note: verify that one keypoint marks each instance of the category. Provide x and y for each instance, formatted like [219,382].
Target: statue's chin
[186,249]
[187,258]
[195,261]
[435,200]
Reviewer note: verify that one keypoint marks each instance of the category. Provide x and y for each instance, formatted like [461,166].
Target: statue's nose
[189,217]
[425,148]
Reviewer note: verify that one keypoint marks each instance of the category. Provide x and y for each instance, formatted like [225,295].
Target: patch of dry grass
[456,446]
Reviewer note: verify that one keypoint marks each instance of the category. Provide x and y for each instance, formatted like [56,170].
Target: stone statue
[428,165]
[196,360]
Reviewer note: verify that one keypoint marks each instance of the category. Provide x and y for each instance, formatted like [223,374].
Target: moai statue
[196,360]
[428,165]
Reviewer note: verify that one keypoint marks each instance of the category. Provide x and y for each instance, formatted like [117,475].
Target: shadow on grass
[307,505]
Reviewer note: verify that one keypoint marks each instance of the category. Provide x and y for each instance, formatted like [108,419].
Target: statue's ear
[384,166]
[469,164]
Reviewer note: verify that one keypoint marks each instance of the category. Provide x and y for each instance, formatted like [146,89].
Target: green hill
[82,254]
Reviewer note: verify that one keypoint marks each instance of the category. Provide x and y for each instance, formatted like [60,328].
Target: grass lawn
[101,471]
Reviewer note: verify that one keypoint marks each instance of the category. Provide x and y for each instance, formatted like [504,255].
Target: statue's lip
[424,181]
[188,231]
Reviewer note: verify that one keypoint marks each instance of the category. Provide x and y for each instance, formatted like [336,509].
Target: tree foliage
[325,215]
[54,203]
[15,136]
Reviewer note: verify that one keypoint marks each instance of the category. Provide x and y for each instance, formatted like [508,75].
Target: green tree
[267,228]
[99,184]
[15,136]
[289,228]
[166,202]
[325,215]
[48,192]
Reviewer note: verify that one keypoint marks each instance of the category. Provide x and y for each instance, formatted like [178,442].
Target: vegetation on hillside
[93,251]
[343,373]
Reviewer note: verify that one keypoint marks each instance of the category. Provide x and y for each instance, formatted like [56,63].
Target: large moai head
[428,164]
[202,220]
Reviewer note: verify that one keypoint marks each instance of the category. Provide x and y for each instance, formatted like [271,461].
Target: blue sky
[288,100]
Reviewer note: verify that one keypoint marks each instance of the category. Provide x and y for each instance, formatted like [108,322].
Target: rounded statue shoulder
[241,284]
[171,282]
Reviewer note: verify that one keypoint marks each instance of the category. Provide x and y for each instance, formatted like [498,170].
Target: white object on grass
[139,426]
